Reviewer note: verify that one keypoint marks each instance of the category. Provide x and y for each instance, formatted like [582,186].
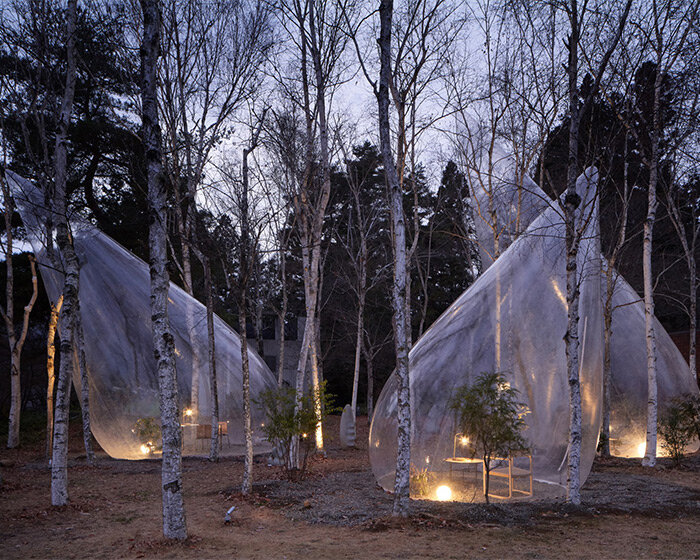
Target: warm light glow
[145,449]
[464,440]
[642,449]
[443,493]
[188,412]
[304,435]
[560,294]
[427,460]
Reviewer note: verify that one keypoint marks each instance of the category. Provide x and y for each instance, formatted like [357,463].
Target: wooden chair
[203,433]
[507,469]
[223,433]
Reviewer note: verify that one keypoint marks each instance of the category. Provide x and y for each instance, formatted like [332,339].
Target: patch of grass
[124,519]
[32,427]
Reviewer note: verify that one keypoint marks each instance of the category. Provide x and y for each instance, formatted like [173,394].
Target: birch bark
[649,459]
[59,461]
[51,373]
[174,525]
[211,345]
[84,388]
[16,343]
[401,328]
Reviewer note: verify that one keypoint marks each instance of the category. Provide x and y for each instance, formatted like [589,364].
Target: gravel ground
[614,486]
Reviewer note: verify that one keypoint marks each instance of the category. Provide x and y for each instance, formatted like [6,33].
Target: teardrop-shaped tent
[115,310]
[516,202]
[511,320]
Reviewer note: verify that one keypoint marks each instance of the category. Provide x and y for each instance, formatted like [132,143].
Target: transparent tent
[511,320]
[516,202]
[115,310]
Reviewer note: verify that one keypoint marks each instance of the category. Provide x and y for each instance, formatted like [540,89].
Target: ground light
[444,493]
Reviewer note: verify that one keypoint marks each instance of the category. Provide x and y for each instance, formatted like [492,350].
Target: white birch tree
[315,28]
[577,15]
[174,525]
[15,339]
[51,372]
[399,286]
[59,461]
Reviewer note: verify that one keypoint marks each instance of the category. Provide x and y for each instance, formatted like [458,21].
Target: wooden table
[465,461]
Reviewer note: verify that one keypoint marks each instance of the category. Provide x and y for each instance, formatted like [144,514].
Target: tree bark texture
[211,346]
[649,459]
[311,214]
[16,343]
[399,287]
[174,525]
[571,204]
[245,258]
[325,194]
[84,388]
[51,373]
[59,461]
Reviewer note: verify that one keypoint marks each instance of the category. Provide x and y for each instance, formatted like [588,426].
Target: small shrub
[147,431]
[690,406]
[679,425]
[488,412]
[288,424]
[420,481]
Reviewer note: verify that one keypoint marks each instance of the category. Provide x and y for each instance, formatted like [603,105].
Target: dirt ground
[339,512]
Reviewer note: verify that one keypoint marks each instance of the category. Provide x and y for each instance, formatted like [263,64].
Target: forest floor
[338,512]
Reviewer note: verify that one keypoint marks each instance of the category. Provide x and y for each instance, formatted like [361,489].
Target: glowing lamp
[641,449]
[304,435]
[443,493]
[464,440]
[145,449]
[188,412]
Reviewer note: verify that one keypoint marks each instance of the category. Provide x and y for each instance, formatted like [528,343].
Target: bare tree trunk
[649,459]
[16,343]
[571,204]
[51,373]
[693,316]
[59,462]
[280,356]
[259,313]
[401,327]
[325,190]
[184,234]
[213,384]
[358,351]
[247,485]
[370,387]
[311,215]
[174,525]
[607,373]
[246,263]
[84,388]
[611,279]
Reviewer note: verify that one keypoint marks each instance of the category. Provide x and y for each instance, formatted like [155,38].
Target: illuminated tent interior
[517,202]
[115,310]
[511,320]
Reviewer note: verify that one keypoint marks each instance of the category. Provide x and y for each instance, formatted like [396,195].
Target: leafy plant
[489,413]
[420,481]
[148,432]
[690,408]
[288,423]
[679,424]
